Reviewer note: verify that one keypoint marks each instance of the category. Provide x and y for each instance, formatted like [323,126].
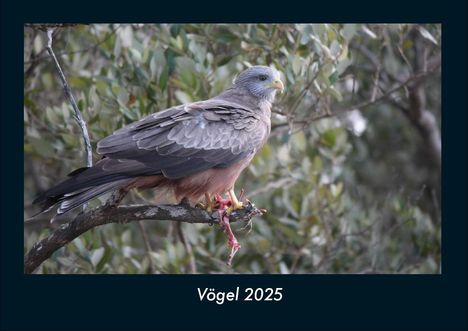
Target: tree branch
[148,248]
[77,114]
[106,214]
[39,57]
[414,79]
[423,119]
[188,248]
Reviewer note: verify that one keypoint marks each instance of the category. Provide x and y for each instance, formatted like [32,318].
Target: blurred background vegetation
[351,173]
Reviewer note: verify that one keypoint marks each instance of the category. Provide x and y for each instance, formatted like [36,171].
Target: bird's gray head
[260,81]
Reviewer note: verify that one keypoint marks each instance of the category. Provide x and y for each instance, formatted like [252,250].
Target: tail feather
[71,201]
[84,184]
[81,185]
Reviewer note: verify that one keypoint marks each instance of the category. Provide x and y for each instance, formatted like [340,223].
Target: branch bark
[68,92]
[106,214]
[422,118]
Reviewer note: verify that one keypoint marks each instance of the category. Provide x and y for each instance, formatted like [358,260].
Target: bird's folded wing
[187,139]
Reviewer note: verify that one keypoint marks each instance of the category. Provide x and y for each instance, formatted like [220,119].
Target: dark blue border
[169,302]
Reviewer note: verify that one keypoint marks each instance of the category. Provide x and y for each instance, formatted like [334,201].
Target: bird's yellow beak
[278,84]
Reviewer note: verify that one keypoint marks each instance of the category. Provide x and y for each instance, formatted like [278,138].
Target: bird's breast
[211,181]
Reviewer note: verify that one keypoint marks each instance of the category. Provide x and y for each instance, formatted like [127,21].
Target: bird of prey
[196,149]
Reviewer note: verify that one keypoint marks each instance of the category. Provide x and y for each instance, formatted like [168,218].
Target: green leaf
[283,155]
[97,255]
[65,112]
[333,77]
[136,55]
[336,189]
[80,82]
[182,97]
[296,64]
[335,93]
[427,35]
[178,43]
[198,51]
[42,147]
[348,31]
[69,139]
[126,35]
[224,35]
[175,29]
[164,78]
[52,116]
[80,104]
[224,60]
[171,60]
[317,164]
[37,44]
[335,48]
[157,63]
[78,243]
[104,260]
[369,32]
[343,65]
[298,141]
[328,138]
[47,80]
[306,31]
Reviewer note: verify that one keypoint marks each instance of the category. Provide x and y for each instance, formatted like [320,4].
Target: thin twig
[188,248]
[77,114]
[148,248]
[377,76]
[39,56]
[305,122]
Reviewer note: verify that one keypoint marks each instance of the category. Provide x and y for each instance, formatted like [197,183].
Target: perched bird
[196,150]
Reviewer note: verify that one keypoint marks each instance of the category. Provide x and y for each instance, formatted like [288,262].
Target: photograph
[260,148]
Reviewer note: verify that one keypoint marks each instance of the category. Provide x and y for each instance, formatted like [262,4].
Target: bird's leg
[209,204]
[185,202]
[116,197]
[235,203]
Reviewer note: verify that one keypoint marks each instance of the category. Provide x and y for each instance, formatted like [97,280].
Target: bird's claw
[233,207]
[226,208]
[221,204]
[208,207]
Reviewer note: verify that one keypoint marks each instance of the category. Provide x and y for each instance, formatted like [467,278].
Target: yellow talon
[235,203]
[209,203]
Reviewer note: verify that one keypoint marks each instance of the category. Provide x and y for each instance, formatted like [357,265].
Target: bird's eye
[262,77]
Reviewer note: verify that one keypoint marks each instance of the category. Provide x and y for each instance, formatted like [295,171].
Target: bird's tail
[73,200]
[83,185]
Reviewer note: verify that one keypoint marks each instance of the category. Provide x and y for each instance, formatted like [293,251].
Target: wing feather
[186,139]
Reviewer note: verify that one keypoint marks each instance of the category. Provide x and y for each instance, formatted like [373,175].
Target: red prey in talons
[232,240]
[223,205]
[227,207]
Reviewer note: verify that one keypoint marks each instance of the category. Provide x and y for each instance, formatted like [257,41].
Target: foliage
[347,176]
